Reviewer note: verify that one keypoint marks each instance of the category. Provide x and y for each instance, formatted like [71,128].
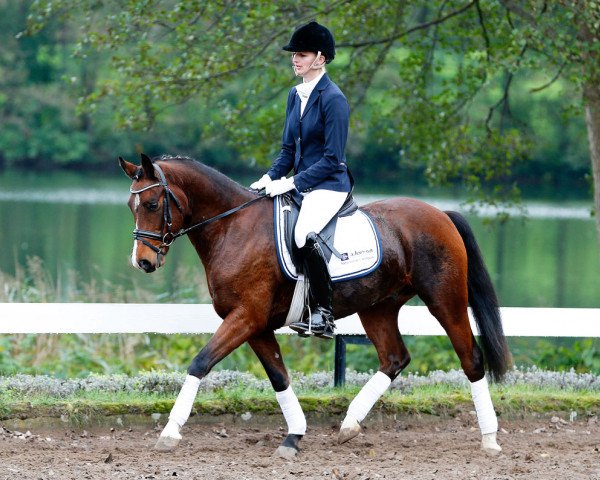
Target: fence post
[339,368]
[339,372]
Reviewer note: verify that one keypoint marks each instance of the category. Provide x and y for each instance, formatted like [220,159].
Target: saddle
[350,240]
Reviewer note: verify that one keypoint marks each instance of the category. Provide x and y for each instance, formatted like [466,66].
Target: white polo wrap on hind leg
[185,400]
[486,416]
[369,394]
[292,411]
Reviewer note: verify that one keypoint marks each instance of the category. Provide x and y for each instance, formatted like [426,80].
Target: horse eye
[152,206]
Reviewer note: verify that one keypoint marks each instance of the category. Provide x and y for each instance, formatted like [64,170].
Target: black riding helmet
[312,37]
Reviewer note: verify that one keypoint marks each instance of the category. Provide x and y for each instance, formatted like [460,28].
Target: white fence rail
[201,318]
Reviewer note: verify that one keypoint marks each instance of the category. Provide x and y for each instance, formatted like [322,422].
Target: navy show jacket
[314,144]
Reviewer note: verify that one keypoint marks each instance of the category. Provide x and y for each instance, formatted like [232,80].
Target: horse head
[158,210]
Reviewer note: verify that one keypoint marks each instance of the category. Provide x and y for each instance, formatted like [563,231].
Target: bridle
[169,237]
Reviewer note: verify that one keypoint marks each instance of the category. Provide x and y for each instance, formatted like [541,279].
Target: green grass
[435,400]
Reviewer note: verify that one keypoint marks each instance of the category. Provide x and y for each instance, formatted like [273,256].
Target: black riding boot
[320,322]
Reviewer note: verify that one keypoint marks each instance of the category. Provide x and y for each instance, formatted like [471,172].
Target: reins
[169,237]
[185,231]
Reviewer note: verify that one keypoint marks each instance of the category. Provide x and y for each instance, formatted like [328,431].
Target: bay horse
[426,252]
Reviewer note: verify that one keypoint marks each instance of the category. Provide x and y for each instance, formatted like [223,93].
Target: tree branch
[431,53]
[554,79]
[548,32]
[422,26]
[202,78]
[371,74]
[484,32]
[504,100]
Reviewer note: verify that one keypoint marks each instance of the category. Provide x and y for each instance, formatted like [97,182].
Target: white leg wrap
[171,430]
[185,401]
[488,423]
[366,398]
[292,411]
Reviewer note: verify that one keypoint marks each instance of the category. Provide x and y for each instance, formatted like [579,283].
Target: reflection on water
[119,197]
[530,209]
[67,195]
[83,224]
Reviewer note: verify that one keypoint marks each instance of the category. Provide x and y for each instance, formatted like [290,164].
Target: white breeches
[318,208]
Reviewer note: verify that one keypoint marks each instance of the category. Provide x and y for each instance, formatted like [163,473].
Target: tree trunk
[591,97]
[591,92]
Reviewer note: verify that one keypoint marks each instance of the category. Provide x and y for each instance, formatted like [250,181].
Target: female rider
[313,145]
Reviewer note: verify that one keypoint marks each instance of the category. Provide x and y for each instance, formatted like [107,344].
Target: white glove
[262,183]
[277,187]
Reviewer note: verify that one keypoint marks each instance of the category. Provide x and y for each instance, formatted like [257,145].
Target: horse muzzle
[148,261]
[146,266]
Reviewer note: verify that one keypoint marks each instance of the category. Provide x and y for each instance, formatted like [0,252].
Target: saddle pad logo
[356,255]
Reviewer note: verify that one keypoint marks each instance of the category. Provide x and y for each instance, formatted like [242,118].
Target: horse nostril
[146,266]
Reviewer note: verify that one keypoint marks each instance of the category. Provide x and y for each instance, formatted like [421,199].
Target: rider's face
[302,62]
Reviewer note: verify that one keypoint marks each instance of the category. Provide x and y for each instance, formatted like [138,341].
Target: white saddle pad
[356,239]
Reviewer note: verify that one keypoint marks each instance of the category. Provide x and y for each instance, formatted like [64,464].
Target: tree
[437,63]
[575,46]
[33,105]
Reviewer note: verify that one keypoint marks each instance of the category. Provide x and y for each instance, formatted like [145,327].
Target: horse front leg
[234,331]
[267,350]
[381,326]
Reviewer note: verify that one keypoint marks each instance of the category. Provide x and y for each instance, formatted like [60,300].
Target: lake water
[80,223]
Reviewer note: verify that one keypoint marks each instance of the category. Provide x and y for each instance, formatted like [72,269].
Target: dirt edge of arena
[25,416]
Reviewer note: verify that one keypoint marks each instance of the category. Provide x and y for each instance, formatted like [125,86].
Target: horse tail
[484,303]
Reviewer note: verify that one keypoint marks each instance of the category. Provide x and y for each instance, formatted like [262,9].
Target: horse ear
[148,166]
[131,170]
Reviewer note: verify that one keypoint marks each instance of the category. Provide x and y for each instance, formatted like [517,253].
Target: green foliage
[428,83]
[582,355]
[69,356]
[436,353]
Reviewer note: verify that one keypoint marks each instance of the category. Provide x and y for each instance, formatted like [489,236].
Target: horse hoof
[350,428]
[166,444]
[489,444]
[492,451]
[287,453]
[169,437]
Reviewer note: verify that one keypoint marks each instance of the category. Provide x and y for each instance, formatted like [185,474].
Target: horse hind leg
[381,326]
[456,323]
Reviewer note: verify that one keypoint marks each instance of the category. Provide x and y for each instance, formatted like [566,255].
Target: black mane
[205,170]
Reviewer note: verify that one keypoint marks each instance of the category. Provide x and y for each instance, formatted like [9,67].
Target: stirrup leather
[320,290]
